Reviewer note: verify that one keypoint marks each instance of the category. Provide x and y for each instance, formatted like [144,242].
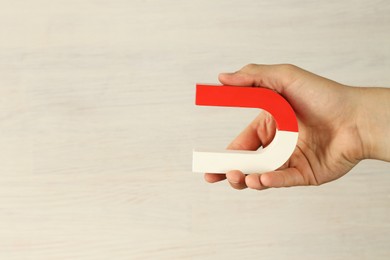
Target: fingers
[253,181]
[211,178]
[247,139]
[260,132]
[276,179]
[281,178]
[236,179]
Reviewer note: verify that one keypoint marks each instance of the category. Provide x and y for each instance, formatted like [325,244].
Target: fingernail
[234,182]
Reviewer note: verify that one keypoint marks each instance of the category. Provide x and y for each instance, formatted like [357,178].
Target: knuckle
[249,67]
[287,68]
[288,72]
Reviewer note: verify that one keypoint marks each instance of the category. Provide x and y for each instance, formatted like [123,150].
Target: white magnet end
[268,159]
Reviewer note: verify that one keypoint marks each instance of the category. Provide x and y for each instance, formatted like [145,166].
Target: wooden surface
[98,123]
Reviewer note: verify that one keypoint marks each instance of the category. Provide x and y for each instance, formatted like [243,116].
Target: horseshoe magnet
[262,160]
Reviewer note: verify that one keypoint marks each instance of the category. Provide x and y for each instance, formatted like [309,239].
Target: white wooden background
[98,123]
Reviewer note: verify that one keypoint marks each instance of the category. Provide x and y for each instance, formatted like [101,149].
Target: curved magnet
[263,160]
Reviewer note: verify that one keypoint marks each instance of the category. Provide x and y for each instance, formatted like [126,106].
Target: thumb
[275,77]
[235,79]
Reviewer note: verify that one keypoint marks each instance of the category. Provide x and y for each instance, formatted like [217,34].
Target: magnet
[263,160]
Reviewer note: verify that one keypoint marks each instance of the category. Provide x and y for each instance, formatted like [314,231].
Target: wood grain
[97,126]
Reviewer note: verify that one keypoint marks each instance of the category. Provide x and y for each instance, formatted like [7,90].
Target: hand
[335,133]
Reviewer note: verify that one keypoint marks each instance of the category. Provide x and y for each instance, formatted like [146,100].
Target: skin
[339,126]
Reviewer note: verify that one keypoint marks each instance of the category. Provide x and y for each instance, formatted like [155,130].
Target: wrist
[373,122]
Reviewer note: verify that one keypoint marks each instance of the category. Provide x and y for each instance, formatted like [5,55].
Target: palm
[318,161]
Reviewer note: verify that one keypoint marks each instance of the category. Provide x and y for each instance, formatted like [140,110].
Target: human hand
[334,134]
